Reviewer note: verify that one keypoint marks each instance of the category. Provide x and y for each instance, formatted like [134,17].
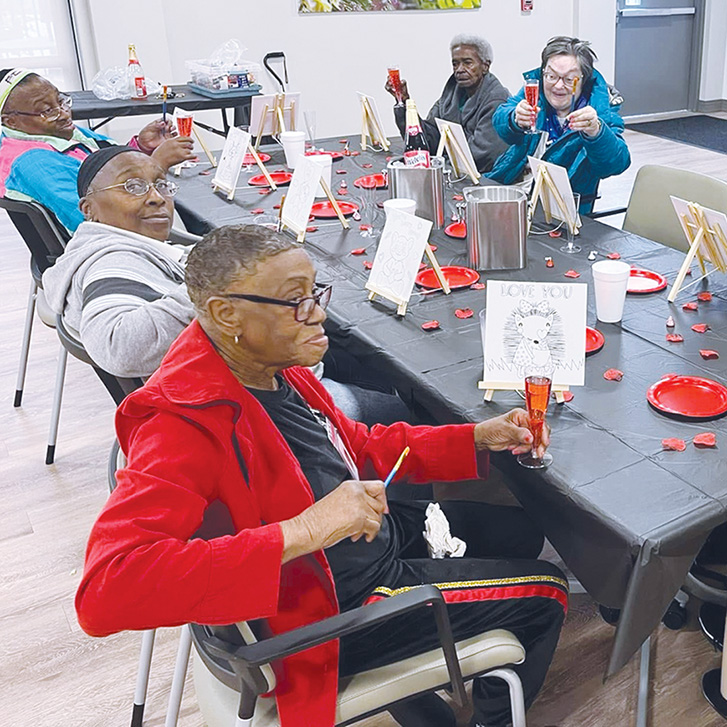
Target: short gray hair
[222,254]
[564,45]
[483,48]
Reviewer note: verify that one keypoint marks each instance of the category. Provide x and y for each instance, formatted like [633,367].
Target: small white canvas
[535,328]
[400,251]
[559,175]
[301,193]
[375,112]
[708,249]
[233,154]
[458,133]
[291,112]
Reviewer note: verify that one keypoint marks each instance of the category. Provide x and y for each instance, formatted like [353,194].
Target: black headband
[93,164]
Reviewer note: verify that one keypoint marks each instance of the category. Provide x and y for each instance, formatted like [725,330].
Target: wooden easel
[230,191]
[205,148]
[544,184]
[300,232]
[371,129]
[401,303]
[491,386]
[707,243]
[278,116]
[456,155]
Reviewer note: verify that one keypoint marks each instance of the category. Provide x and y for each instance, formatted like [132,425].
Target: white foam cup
[400,203]
[610,281]
[325,162]
[293,145]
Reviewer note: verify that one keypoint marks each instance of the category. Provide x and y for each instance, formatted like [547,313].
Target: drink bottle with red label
[416,149]
[137,82]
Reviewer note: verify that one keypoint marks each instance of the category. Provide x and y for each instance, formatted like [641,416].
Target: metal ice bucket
[422,184]
[496,227]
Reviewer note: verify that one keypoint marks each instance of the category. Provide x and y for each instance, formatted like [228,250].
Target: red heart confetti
[276,206]
[554,233]
[707,354]
[613,375]
[670,322]
[477,286]
[434,247]
[706,296]
[674,444]
[355,153]
[689,272]
[368,264]
[388,159]
[342,190]
[700,327]
[367,166]
[358,251]
[258,211]
[692,305]
[567,395]
[205,172]
[614,256]
[572,274]
[464,313]
[422,266]
[549,262]
[457,197]
[430,325]
[343,141]
[265,190]
[365,228]
[311,218]
[705,439]
[312,228]
[674,338]
[341,171]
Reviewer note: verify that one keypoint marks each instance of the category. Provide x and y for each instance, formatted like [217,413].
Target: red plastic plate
[688,396]
[378,179]
[456,229]
[645,281]
[594,340]
[335,155]
[250,159]
[280,178]
[325,209]
[456,275]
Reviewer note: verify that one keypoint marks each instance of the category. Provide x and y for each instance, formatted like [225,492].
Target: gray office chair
[650,212]
[231,668]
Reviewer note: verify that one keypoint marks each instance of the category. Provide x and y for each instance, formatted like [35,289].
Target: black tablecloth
[627,517]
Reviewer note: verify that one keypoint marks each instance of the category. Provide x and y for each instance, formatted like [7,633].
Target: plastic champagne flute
[537,396]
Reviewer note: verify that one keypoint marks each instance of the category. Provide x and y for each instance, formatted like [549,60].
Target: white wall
[714,53]
[332,56]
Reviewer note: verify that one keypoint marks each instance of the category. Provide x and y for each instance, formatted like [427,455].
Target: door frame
[695,72]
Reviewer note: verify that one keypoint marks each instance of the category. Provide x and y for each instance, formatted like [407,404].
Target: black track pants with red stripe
[499,584]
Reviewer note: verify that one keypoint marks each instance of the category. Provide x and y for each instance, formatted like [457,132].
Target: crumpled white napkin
[440,541]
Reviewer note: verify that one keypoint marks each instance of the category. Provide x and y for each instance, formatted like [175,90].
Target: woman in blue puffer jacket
[577,110]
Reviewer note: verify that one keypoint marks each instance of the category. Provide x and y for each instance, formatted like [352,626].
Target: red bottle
[416,149]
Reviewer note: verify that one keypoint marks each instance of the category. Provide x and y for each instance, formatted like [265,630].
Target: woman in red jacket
[233,414]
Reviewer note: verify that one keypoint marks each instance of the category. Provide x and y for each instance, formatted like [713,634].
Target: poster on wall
[357,6]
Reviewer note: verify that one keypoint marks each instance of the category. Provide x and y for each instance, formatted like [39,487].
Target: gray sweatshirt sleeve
[132,311]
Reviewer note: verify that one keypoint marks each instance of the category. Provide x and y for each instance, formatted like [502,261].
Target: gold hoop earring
[237,340]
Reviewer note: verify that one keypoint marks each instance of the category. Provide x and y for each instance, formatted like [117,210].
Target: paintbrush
[395,468]
[164,104]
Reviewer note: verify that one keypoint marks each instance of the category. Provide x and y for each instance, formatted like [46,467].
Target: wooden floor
[51,674]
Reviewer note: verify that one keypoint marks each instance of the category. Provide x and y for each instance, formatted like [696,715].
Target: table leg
[642,703]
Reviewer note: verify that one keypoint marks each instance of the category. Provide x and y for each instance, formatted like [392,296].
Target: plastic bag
[111,83]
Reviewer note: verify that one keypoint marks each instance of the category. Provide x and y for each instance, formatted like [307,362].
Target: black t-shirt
[357,567]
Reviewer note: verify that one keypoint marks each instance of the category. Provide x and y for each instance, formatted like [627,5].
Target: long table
[627,517]
[87,106]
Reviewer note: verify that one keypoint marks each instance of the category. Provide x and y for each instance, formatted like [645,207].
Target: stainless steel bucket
[424,185]
[496,227]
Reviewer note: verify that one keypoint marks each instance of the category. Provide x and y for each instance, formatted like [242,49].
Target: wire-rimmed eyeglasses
[140,187]
[52,114]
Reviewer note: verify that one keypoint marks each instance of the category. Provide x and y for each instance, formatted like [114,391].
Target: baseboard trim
[710,107]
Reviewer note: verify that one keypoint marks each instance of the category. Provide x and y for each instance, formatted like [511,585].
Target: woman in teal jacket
[577,110]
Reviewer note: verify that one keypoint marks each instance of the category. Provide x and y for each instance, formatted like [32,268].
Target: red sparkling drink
[184,125]
[537,394]
[531,93]
[395,80]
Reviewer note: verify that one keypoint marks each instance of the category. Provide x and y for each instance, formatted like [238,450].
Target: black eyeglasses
[304,307]
[140,187]
[51,114]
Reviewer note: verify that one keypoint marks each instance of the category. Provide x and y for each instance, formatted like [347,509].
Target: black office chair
[46,239]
